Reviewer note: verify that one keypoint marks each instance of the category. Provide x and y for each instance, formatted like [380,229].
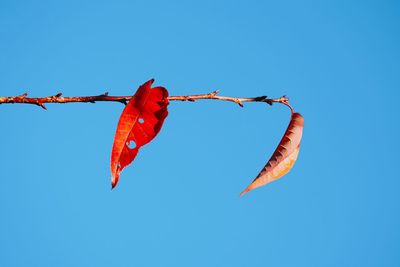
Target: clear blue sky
[179,204]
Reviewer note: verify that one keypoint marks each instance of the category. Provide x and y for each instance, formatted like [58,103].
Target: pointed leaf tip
[244,192]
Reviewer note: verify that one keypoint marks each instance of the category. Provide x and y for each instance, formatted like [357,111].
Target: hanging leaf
[139,123]
[284,156]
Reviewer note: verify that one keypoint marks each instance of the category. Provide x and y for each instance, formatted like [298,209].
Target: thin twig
[58,98]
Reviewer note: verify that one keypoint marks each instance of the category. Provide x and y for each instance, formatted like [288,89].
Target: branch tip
[214,93]
[237,101]
[41,105]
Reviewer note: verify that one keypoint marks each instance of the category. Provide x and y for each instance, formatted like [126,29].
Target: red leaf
[284,156]
[140,122]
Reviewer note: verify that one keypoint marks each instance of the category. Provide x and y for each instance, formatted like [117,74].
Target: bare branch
[58,98]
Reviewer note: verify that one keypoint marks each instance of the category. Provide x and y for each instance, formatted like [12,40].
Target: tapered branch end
[214,93]
[124,101]
[237,101]
[41,105]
